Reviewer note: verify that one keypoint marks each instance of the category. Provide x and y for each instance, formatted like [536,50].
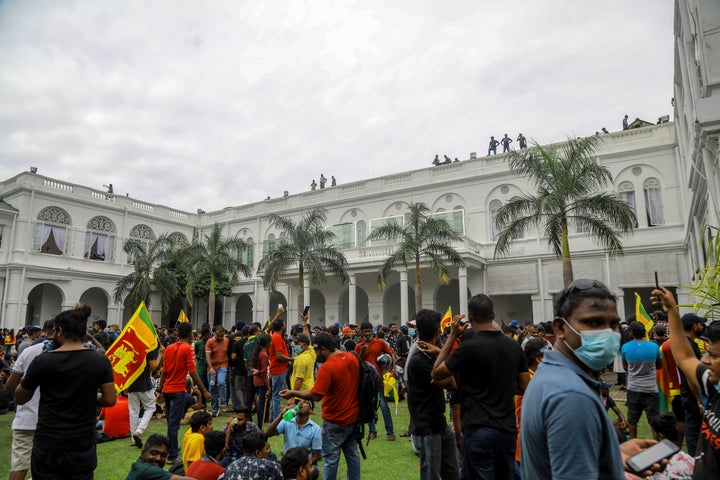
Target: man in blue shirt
[301,431]
[640,359]
[566,433]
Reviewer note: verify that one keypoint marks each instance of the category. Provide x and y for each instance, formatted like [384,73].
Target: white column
[403,297]
[462,286]
[352,299]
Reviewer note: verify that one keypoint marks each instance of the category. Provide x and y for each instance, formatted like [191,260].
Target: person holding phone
[703,374]
[566,432]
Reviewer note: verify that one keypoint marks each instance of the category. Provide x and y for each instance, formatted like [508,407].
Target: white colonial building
[62,243]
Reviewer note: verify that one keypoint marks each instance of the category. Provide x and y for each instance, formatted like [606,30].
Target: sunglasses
[578,286]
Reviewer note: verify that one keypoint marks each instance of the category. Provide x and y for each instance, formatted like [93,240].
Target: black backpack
[369,391]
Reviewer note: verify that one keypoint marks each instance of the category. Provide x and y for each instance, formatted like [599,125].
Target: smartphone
[655,454]
[280,307]
[657,284]
[307,309]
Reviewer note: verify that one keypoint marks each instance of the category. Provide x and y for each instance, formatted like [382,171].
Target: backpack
[369,391]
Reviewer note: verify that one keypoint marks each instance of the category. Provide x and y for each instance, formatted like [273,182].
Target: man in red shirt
[370,348]
[279,362]
[179,362]
[337,383]
[216,355]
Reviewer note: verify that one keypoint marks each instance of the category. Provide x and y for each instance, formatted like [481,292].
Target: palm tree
[569,182]
[307,246]
[423,236]
[217,258]
[136,286]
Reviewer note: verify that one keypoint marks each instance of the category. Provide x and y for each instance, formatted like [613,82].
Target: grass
[394,460]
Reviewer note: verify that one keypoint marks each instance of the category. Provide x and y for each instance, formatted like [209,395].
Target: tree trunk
[301,293]
[418,287]
[566,261]
[211,302]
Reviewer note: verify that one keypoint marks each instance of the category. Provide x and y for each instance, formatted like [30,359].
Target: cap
[33,329]
[690,319]
[345,331]
[514,323]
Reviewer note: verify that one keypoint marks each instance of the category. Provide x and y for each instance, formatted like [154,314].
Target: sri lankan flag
[127,353]
[182,318]
[446,320]
[642,316]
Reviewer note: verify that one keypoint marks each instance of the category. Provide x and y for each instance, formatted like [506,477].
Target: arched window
[269,244]
[51,231]
[494,207]
[100,239]
[653,202]
[142,234]
[626,191]
[247,255]
[179,239]
[361,233]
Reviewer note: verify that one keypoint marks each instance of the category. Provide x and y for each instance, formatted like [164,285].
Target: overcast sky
[210,104]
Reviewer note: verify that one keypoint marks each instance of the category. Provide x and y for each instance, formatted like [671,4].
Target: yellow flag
[182,318]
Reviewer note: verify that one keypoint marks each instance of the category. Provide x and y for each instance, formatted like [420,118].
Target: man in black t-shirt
[69,378]
[239,371]
[489,368]
[426,402]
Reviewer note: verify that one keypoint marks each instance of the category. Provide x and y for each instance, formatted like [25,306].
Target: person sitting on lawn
[297,464]
[237,428]
[255,463]
[208,467]
[152,460]
[193,446]
[301,431]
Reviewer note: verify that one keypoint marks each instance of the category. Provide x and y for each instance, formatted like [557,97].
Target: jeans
[438,456]
[239,391]
[175,406]
[278,383]
[146,400]
[63,465]
[387,418]
[261,394]
[334,439]
[488,454]
[218,388]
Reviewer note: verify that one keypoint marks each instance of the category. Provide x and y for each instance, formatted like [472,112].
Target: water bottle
[290,414]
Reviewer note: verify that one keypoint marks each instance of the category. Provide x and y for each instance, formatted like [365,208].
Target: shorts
[637,402]
[22,444]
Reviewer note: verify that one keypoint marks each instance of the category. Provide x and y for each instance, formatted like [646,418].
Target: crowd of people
[485,400]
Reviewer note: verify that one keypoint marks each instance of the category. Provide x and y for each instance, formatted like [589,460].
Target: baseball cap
[327,341]
[690,319]
[33,329]
[514,323]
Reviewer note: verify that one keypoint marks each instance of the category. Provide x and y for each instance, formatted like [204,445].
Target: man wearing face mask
[566,433]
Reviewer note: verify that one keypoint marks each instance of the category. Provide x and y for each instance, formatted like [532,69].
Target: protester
[566,433]
[179,363]
[193,446]
[152,460]
[693,326]
[69,375]
[681,465]
[279,361]
[426,403]
[261,380]
[701,374]
[209,467]
[486,394]
[641,358]
[370,348]
[237,428]
[297,464]
[141,395]
[336,384]
[301,430]
[254,464]
[216,356]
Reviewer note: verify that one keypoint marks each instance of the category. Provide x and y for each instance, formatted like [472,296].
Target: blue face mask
[411,332]
[297,349]
[597,347]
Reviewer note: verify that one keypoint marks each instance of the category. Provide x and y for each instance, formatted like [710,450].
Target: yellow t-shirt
[304,367]
[193,447]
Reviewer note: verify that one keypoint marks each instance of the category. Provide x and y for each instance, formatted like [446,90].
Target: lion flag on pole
[182,318]
[127,353]
[446,320]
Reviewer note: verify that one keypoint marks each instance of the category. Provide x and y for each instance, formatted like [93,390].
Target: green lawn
[393,460]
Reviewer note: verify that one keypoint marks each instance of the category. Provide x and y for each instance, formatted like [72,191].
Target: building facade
[62,243]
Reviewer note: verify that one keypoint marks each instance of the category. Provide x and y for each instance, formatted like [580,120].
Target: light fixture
[33,169]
